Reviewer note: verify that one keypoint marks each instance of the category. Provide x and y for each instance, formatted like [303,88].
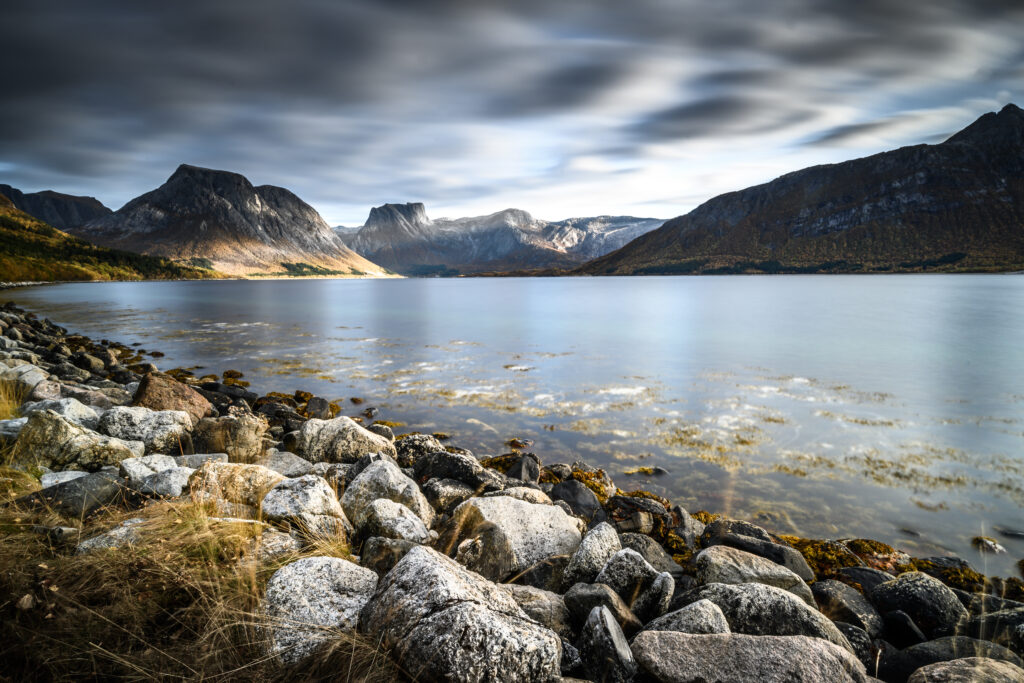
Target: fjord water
[887,406]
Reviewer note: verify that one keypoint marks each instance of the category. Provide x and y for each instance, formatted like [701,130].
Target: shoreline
[288,432]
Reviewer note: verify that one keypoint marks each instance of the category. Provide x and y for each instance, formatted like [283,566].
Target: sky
[559,107]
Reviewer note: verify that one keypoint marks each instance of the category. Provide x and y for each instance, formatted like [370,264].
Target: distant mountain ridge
[219,218]
[958,205]
[62,211]
[403,238]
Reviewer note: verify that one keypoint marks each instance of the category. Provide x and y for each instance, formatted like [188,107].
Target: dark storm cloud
[348,101]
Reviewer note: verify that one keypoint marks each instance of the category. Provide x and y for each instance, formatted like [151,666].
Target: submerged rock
[308,602]
[442,622]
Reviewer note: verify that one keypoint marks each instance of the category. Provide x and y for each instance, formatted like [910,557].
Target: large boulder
[458,466]
[723,564]
[759,610]
[161,392]
[240,436]
[166,431]
[647,591]
[388,519]
[968,670]
[932,605]
[137,469]
[310,601]
[702,616]
[169,483]
[1005,626]
[383,479]
[232,482]
[49,440]
[673,657]
[545,607]
[500,536]
[339,440]
[582,598]
[596,548]
[443,622]
[79,497]
[840,602]
[603,649]
[307,502]
[70,409]
[23,377]
[900,665]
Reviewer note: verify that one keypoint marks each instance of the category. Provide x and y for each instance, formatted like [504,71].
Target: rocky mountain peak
[1003,129]
[412,214]
[220,182]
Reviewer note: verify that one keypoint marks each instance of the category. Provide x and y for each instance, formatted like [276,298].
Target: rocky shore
[457,567]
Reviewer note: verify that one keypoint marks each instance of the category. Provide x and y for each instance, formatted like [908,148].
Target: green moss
[303,396]
[441,436]
[705,517]
[649,471]
[501,463]
[232,374]
[389,423]
[593,481]
[825,558]
[549,477]
[644,494]
[964,578]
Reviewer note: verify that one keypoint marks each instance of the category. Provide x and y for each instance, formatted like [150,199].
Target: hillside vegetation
[31,250]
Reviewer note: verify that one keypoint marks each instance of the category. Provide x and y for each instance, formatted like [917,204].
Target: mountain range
[62,211]
[220,220]
[402,238]
[958,205]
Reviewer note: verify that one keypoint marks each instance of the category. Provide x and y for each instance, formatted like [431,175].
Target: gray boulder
[698,617]
[673,657]
[1005,627]
[49,440]
[584,597]
[647,591]
[164,431]
[310,601]
[53,478]
[79,497]
[840,602]
[594,551]
[785,555]
[23,377]
[759,610]
[413,447]
[125,533]
[900,665]
[9,429]
[70,409]
[169,483]
[135,470]
[196,460]
[545,607]
[652,551]
[603,649]
[722,564]
[239,435]
[288,464]
[309,503]
[388,519]
[381,554]
[968,670]
[383,479]
[445,494]
[932,605]
[339,440]
[442,622]
[500,536]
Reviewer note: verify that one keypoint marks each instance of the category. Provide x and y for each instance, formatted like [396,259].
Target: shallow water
[884,406]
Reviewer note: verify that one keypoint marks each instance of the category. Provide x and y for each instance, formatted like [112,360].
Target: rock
[90,363]
[646,591]
[603,649]
[70,409]
[900,630]
[383,479]
[784,555]
[457,466]
[318,408]
[125,533]
[578,497]
[23,377]
[905,662]
[310,600]
[840,602]
[545,607]
[339,440]
[169,483]
[288,464]
[304,502]
[672,657]
[381,554]
[723,564]
[861,643]
[137,469]
[53,478]
[49,440]
[968,670]
[166,431]
[45,391]
[867,577]
[389,519]
[240,436]
[571,663]
[651,551]
[702,616]
[79,497]
[521,466]
[442,622]
[382,430]
[273,543]
[9,429]
[546,574]
[522,493]
[639,515]
[722,527]
[196,460]
[413,447]
[584,597]
[1005,627]
[759,610]
[501,536]
[233,482]
[594,551]
[161,392]
[983,603]
[89,397]
[445,494]
[688,528]
[930,603]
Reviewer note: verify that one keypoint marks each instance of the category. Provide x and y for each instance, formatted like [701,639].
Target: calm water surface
[884,406]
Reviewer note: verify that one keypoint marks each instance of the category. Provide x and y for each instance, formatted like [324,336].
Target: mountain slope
[31,250]
[401,237]
[958,205]
[220,218]
[62,211]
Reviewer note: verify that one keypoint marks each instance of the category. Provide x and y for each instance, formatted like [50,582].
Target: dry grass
[11,398]
[181,604]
